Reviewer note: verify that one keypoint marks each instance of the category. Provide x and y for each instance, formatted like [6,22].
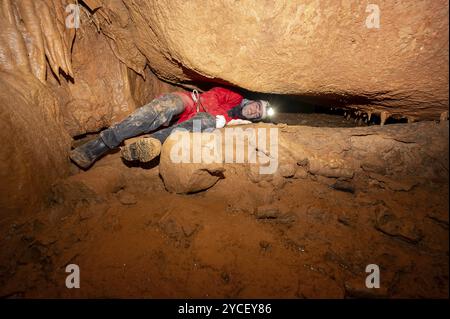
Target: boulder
[390,58]
[187,176]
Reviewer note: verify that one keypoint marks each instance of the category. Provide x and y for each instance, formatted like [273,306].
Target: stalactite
[444,117]
[383,117]
[410,119]
[31,32]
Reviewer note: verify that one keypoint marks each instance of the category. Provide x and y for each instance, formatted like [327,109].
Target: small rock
[301,173]
[265,245]
[278,182]
[304,162]
[287,170]
[225,277]
[325,180]
[189,228]
[126,198]
[401,228]
[404,184]
[271,212]
[343,186]
[356,289]
[287,218]
[345,220]
[267,212]
[235,210]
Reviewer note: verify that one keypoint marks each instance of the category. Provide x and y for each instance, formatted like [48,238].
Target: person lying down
[214,109]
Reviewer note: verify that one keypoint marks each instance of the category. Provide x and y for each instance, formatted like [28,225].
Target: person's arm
[238,122]
[224,100]
[221,121]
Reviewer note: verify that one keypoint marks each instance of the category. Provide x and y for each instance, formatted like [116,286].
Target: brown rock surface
[311,48]
[34,145]
[397,156]
[53,83]
[187,177]
[340,199]
[212,245]
[103,90]
[94,88]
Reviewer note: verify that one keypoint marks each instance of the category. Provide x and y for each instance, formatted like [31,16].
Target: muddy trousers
[202,121]
[152,116]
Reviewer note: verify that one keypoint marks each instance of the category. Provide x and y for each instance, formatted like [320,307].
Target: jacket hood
[236,112]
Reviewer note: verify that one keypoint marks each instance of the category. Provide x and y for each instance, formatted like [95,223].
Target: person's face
[252,110]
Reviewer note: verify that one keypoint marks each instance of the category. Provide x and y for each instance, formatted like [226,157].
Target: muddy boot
[143,150]
[86,154]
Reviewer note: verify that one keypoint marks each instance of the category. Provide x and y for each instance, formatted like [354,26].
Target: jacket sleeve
[227,97]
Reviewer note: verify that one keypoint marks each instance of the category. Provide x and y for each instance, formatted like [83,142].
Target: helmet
[267,110]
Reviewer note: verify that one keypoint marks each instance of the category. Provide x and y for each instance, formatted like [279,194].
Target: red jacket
[216,101]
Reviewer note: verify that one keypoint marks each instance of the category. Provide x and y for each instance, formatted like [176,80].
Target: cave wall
[99,91]
[33,143]
[310,48]
[55,82]
[33,43]
[103,90]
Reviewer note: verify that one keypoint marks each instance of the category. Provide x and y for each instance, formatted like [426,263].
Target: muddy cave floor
[132,238]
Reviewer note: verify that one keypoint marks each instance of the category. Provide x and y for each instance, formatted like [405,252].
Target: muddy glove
[238,122]
[220,121]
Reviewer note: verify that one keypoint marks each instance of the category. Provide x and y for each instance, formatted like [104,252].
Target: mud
[303,236]
[347,194]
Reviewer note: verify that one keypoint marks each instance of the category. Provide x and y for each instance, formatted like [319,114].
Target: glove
[220,121]
[239,122]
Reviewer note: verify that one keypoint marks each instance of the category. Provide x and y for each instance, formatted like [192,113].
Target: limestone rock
[34,149]
[287,170]
[126,198]
[187,177]
[333,51]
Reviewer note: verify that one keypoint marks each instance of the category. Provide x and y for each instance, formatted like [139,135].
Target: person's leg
[145,119]
[205,121]
[147,148]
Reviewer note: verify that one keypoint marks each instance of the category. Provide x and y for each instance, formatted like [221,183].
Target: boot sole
[143,150]
[80,159]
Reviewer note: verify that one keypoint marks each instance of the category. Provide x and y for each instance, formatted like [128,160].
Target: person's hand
[238,122]
[220,121]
